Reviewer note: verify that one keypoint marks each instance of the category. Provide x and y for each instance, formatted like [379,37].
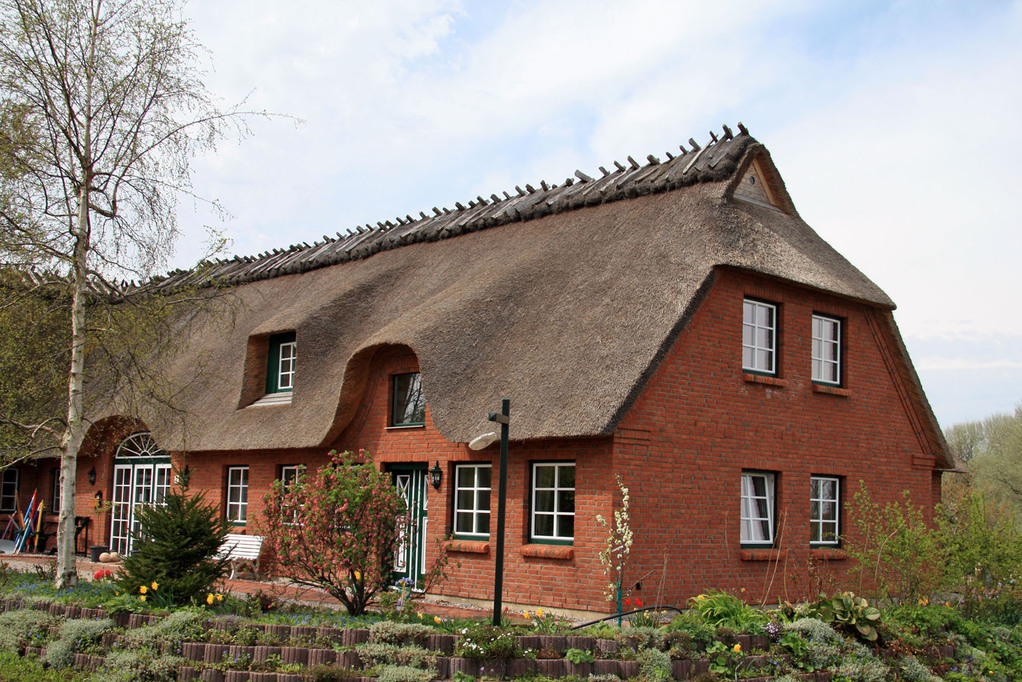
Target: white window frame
[752,512]
[237,509]
[824,529]
[289,473]
[55,492]
[287,357]
[826,350]
[556,512]
[759,355]
[9,483]
[477,512]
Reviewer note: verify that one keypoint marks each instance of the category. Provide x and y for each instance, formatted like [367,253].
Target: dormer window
[280,366]
[408,404]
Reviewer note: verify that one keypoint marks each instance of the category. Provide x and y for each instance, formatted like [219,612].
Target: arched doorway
[141,476]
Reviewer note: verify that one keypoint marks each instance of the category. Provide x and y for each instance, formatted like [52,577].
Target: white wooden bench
[241,551]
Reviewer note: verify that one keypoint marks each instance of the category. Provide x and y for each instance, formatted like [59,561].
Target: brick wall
[701,421]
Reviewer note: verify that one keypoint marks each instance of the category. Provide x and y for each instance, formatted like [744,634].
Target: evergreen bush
[176,548]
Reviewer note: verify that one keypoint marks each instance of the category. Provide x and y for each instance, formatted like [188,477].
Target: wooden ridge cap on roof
[716,160]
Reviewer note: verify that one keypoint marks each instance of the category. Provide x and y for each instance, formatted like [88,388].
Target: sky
[895,125]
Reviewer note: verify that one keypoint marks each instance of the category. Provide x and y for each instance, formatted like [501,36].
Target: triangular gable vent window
[752,188]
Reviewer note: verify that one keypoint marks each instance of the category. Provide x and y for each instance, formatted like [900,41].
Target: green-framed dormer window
[280,366]
[408,403]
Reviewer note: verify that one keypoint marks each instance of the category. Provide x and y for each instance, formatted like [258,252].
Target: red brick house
[673,322]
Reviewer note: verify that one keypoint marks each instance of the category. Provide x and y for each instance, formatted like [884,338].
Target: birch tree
[104,105]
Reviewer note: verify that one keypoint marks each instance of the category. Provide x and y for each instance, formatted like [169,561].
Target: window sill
[831,390]
[828,553]
[468,546]
[402,427]
[765,554]
[562,552]
[763,379]
[273,399]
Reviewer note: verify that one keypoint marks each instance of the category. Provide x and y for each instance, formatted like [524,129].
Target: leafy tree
[990,451]
[336,528]
[103,106]
[176,547]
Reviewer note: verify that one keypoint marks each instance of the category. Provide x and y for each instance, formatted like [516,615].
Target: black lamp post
[504,419]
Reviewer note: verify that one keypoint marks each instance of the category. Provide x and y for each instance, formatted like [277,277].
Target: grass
[14,668]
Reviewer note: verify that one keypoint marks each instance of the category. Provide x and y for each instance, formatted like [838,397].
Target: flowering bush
[617,547]
[336,528]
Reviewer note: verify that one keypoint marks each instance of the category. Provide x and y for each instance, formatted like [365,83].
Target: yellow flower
[737,648]
[437,620]
[220,597]
[528,616]
[701,597]
[924,601]
[209,598]
[358,575]
[142,597]
[156,585]
[743,589]
[142,589]
[539,613]
[419,614]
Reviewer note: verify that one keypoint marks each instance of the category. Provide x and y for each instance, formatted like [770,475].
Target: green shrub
[389,632]
[75,635]
[177,626]
[723,610]
[138,665]
[896,552]
[176,548]
[849,613]
[401,673]
[486,642]
[654,665]
[24,627]
[375,653]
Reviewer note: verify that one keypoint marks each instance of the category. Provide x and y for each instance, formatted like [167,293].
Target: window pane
[483,476]
[544,500]
[464,499]
[544,525]
[544,477]
[483,522]
[566,476]
[566,501]
[466,476]
[565,526]
[463,522]
[409,402]
[483,500]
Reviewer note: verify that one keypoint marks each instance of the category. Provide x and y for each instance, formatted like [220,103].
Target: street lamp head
[483,441]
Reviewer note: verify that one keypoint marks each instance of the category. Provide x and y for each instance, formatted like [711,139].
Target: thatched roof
[562,298]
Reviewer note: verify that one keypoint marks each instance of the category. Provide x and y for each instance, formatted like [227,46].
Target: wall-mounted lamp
[92,476]
[436,476]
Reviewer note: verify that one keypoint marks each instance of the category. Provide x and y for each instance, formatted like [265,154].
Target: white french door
[142,476]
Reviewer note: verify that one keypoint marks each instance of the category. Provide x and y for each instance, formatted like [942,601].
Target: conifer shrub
[176,549]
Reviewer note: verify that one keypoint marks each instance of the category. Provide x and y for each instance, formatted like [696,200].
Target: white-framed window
[408,403]
[281,361]
[824,510]
[826,353]
[55,490]
[759,337]
[472,500]
[237,495]
[757,513]
[553,502]
[9,490]
[289,473]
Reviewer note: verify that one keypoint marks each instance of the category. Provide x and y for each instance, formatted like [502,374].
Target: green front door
[410,556]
